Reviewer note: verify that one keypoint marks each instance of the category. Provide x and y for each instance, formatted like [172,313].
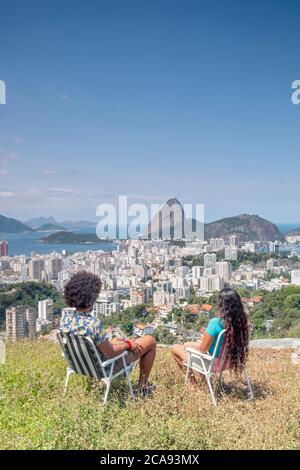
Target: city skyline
[149,100]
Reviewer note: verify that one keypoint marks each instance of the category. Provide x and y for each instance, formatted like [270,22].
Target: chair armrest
[113,359]
[195,352]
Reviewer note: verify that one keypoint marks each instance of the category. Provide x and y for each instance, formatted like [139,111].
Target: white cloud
[11,156]
[39,194]
[3,172]
[148,197]
[46,173]
[17,140]
[65,98]
[48,192]
[7,194]
[65,190]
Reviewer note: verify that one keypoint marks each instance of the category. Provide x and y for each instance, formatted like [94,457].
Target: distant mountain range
[69,224]
[245,226]
[293,233]
[50,228]
[39,221]
[8,225]
[78,224]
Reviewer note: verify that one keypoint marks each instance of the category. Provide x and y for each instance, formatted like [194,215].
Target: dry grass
[35,415]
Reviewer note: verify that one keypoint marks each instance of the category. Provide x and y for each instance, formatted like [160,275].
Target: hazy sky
[153,99]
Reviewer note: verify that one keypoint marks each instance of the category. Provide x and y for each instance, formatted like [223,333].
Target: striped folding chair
[83,358]
[207,365]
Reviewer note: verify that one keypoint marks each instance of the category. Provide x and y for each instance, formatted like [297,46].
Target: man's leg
[147,357]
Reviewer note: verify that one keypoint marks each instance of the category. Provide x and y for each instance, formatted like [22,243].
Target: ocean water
[284,228]
[26,243]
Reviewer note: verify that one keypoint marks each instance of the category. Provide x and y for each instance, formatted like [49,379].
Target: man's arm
[109,349]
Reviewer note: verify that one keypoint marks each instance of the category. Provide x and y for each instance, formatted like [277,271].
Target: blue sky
[152,99]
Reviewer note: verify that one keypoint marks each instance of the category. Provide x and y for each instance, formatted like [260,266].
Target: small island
[63,237]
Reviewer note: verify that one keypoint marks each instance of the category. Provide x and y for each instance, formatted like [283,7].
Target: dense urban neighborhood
[166,288]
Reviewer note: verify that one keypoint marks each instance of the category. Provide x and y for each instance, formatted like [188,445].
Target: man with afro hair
[80,294]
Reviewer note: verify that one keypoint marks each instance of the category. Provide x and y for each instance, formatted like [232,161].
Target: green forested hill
[27,293]
[70,237]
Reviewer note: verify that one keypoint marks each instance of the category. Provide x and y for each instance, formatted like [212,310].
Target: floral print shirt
[83,324]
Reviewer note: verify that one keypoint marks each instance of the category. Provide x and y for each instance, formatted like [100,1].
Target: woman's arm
[205,343]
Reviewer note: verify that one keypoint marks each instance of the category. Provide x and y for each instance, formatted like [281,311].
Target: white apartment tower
[231,254]
[210,284]
[224,270]
[45,310]
[295,277]
[232,240]
[210,260]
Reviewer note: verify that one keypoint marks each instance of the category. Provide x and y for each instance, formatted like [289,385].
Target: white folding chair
[207,365]
[83,358]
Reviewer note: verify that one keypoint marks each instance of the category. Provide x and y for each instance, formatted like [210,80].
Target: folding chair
[83,358]
[207,365]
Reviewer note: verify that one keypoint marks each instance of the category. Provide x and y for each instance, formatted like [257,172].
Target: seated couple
[81,293]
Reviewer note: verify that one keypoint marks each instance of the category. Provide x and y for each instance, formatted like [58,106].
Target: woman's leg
[180,356]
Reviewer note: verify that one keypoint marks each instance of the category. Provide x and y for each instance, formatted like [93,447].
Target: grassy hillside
[35,415]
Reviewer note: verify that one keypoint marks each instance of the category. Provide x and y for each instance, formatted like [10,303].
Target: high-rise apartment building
[30,322]
[15,323]
[36,268]
[45,310]
[137,296]
[231,253]
[182,293]
[216,244]
[211,283]
[232,240]
[197,271]
[224,270]
[210,260]
[295,277]
[20,322]
[4,248]
[274,247]
[55,266]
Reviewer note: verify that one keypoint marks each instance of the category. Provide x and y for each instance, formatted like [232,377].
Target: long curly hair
[237,327]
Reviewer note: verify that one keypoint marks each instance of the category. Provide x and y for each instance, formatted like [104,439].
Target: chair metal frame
[83,358]
[207,365]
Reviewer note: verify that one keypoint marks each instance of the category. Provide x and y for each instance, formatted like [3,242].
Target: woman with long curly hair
[232,318]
